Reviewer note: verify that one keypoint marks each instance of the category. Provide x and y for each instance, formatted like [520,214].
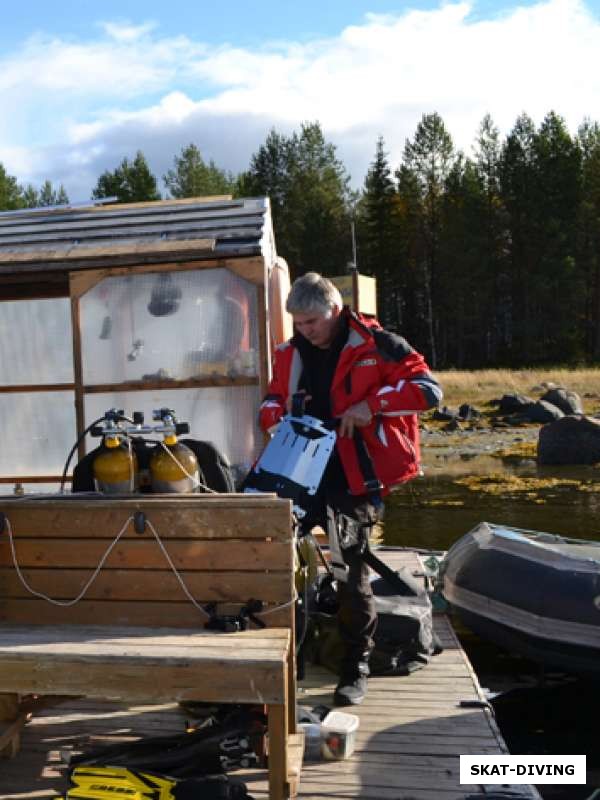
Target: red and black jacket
[381,368]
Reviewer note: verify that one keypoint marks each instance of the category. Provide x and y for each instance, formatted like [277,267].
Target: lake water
[464,485]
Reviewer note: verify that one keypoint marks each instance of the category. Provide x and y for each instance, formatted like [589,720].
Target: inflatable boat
[532,593]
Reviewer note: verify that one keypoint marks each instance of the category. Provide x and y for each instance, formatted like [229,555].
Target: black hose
[78,442]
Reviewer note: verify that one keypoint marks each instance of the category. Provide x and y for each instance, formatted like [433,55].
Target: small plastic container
[312,741]
[332,739]
[338,735]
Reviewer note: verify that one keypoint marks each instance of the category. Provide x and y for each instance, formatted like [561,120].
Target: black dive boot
[352,686]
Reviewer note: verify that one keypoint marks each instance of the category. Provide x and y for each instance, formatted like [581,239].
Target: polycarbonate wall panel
[38,432]
[225,416]
[170,325]
[35,342]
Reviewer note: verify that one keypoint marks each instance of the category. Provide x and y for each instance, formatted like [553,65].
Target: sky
[84,85]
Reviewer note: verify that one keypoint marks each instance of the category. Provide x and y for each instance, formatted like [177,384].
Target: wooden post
[355,297]
[263,339]
[278,753]
[78,373]
[9,712]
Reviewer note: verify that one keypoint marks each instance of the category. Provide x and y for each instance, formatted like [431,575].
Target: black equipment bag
[404,638]
[219,745]
[215,467]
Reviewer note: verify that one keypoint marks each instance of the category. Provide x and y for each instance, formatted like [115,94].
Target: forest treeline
[483,259]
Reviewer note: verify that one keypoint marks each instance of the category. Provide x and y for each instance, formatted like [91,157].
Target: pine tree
[588,247]
[310,197]
[192,177]
[318,204]
[130,182]
[378,235]
[429,158]
[11,194]
[517,189]
[557,160]
[270,174]
[489,227]
[46,196]
[412,315]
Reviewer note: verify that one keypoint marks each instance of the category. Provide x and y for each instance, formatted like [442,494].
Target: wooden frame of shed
[65,253]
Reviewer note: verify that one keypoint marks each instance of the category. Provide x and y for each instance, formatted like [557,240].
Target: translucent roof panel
[38,432]
[175,325]
[35,342]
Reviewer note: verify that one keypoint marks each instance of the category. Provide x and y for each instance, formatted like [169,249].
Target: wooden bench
[136,635]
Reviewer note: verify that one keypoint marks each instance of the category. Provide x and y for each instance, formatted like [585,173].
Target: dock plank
[412,731]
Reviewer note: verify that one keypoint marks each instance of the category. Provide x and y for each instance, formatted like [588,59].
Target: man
[374,383]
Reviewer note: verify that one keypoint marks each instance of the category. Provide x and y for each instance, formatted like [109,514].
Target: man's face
[318,328]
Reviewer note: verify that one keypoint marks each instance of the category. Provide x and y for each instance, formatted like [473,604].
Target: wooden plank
[263,339]
[33,287]
[78,375]
[117,211]
[167,204]
[171,383]
[51,271]
[82,253]
[17,635]
[36,387]
[216,680]
[466,725]
[130,612]
[34,479]
[85,279]
[145,656]
[241,555]
[195,517]
[198,227]
[99,220]
[141,585]
[250,268]
[233,502]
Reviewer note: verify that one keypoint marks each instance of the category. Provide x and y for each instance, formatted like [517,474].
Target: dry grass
[478,387]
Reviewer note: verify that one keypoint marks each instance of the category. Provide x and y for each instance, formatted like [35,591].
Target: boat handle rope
[107,552]
[81,594]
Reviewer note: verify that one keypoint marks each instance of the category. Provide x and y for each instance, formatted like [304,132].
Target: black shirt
[319,367]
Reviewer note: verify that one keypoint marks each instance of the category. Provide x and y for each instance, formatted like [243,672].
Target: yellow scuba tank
[174,467]
[115,468]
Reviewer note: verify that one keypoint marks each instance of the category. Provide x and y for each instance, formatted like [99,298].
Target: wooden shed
[174,303]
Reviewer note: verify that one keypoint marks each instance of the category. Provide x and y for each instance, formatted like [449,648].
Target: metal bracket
[139,522]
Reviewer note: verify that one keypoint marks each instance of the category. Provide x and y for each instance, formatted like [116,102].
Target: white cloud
[125,31]
[132,88]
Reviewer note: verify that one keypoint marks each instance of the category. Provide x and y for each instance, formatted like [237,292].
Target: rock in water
[568,402]
[570,440]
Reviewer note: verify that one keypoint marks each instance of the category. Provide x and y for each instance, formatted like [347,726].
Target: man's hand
[355,416]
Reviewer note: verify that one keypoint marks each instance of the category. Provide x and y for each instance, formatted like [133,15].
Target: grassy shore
[479,387]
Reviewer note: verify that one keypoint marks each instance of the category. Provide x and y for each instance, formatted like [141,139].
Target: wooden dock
[412,731]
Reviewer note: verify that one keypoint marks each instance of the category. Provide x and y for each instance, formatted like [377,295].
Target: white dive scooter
[293,462]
